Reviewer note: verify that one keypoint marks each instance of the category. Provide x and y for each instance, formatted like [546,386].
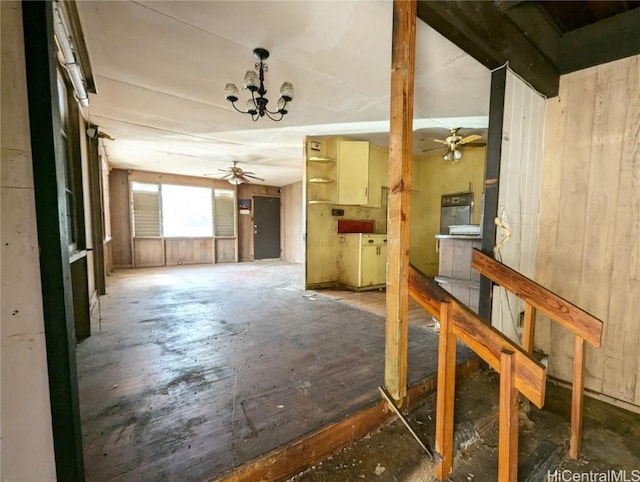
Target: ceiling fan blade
[253,177]
[441,141]
[432,149]
[476,144]
[471,138]
[223,170]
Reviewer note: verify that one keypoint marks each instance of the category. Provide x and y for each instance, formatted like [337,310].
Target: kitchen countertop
[458,236]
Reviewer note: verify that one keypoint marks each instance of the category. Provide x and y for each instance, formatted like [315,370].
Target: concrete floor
[198,369]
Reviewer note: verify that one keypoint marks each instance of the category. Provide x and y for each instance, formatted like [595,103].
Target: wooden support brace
[508,422]
[400,157]
[445,393]
[529,328]
[577,397]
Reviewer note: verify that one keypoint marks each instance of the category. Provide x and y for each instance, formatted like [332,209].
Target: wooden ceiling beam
[489,36]
[610,39]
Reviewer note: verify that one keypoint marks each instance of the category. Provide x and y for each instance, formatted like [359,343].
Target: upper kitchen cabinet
[346,172]
[353,172]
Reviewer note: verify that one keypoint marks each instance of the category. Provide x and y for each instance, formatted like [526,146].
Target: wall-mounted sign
[244,205]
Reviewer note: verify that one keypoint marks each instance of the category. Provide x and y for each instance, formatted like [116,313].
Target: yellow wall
[431,178]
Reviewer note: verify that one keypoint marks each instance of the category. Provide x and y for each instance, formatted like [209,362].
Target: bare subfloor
[198,369]
[610,449]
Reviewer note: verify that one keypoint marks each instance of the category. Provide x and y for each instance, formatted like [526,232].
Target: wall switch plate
[337,212]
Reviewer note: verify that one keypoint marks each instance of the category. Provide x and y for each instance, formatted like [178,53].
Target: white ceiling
[161,67]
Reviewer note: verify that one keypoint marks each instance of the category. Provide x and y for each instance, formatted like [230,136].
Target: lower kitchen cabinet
[363,260]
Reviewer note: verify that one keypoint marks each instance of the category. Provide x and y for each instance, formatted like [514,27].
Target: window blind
[224,208]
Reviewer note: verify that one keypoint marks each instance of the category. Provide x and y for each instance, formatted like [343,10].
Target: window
[146,209]
[224,205]
[186,211]
[71,164]
[182,211]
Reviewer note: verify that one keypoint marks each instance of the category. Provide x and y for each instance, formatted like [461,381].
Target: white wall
[26,452]
[292,223]
[519,195]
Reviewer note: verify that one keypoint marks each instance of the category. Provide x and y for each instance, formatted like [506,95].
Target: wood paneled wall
[245,221]
[188,251]
[292,223]
[120,219]
[225,250]
[148,252]
[589,242]
[519,194]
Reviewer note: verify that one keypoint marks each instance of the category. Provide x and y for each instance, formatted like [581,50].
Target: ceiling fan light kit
[256,107]
[236,175]
[453,142]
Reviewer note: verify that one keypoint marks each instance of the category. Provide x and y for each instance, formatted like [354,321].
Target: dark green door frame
[492,183]
[51,216]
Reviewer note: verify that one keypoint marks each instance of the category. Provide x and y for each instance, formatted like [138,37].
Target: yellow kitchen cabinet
[353,172]
[363,260]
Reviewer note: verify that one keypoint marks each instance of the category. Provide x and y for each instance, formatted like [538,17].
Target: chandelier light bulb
[251,81]
[231,92]
[286,92]
[457,155]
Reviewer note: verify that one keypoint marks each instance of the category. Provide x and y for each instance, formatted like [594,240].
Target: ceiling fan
[454,141]
[236,175]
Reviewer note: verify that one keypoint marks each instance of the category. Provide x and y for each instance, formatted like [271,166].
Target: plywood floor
[199,369]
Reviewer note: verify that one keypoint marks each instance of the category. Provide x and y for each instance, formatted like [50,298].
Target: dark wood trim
[55,272]
[610,39]
[97,221]
[485,33]
[533,18]
[492,182]
[291,459]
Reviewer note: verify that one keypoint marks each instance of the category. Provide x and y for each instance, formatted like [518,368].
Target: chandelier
[257,105]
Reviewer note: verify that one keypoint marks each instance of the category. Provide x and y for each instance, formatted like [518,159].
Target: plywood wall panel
[120,209]
[178,251]
[148,252]
[519,194]
[225,250]
[589,248]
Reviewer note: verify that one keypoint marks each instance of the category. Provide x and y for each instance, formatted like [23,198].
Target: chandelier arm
[278,111]
[241,111]
[269,114]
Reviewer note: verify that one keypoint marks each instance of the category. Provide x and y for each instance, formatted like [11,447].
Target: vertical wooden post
[508,423]
[445,392]
[577,397]
[529,328]
[400,157]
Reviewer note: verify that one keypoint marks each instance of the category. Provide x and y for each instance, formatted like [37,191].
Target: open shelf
[320,159]
[321,180]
